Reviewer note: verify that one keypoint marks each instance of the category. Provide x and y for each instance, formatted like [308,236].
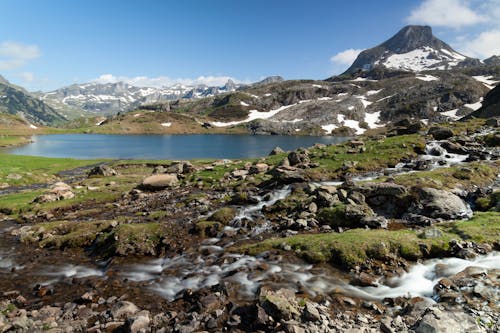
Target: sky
[45,45]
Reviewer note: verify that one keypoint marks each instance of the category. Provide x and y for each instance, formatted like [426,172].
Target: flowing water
[210,263]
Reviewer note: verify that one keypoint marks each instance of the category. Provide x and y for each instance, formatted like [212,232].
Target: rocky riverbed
[396,232]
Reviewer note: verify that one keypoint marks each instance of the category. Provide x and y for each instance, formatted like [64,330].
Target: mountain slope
[110,98]
[490,106]
[413,48]
[16,101]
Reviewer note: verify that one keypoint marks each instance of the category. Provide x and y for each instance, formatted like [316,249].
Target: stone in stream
[159,182]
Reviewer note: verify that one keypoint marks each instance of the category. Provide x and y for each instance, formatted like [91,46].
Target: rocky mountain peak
[414,48]
[413,37]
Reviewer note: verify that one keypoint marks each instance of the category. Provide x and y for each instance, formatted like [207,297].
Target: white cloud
[482,46]
[346,57]
[445,13]
[14,55]
[144,81]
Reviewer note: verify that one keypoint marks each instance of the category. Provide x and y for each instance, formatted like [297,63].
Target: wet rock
[159,182]
[365,280]
[102,171]
[454,147]
[440,133]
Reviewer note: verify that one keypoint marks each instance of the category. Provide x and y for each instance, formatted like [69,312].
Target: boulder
[299,156]
[280,304]
[102,171]
[160,181]
[258,168]
[435,321]
[59,191]
[440,133]
[276,151]
[440,204]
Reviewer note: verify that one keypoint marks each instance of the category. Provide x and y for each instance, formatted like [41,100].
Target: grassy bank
[356,246]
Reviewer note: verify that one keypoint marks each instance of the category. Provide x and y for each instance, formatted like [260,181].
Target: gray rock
[138,323]
[123,310]
[276,151]
[158,182]
[442,204]
[437,321]
[102,171]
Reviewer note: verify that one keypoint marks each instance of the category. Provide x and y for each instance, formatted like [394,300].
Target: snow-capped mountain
[110,98]
[414,48]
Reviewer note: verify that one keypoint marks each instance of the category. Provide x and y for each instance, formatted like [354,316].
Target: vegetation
[356,246]
[24,170]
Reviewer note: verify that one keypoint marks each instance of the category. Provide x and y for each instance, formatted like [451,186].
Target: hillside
[16,101]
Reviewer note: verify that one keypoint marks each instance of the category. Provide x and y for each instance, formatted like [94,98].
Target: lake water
[90,146]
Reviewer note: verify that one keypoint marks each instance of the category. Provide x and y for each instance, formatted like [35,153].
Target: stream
[209,264]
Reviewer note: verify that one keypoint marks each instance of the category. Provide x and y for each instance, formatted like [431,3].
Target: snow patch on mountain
[426,78]
[420,59]
[486,80]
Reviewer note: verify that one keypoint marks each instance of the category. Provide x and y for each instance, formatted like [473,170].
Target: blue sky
[48,44]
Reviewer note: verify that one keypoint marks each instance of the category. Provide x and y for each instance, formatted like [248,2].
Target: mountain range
[411,75]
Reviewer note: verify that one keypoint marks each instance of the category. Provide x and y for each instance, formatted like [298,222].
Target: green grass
[464,176]
[33,169]
[13,140]
[356,246]
[379,154]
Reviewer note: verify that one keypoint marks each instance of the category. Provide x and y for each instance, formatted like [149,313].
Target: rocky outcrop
[102,171]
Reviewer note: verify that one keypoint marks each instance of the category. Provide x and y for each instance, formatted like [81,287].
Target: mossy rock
[65,234]
[208,228]
[344,215]
[223,215]
[138,238]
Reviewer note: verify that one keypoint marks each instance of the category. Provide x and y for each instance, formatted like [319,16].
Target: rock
[311,313]
[276,151]
[239,174]
[159,169]
[288,175]
[365,280]
[440,133]
[59,191]
[258,168]
[138,323]
[453,147]
[280,304]
[435,321]
[123,310]
[493,122]
[102,171]
[442,204]
[299,156]
[159,182]
[175,168]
